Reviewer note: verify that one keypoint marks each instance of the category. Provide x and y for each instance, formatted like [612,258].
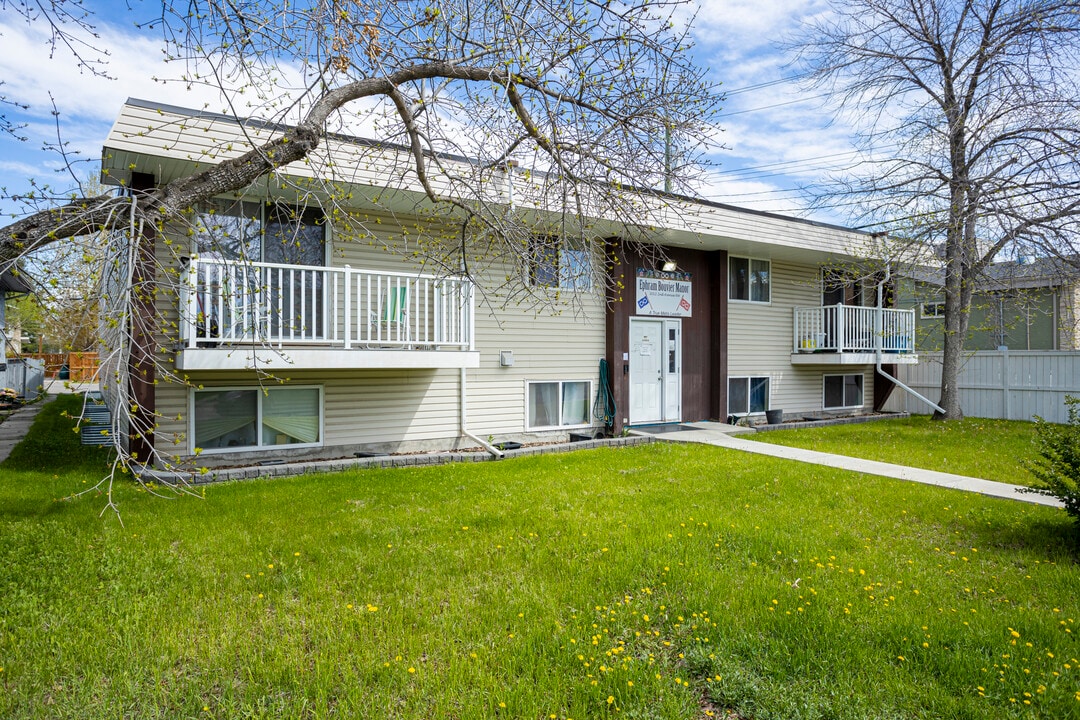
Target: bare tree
[596,102]
[968,113]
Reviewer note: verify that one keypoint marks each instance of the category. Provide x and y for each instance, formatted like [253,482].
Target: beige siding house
[285,329]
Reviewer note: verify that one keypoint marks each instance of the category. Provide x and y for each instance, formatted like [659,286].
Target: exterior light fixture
[669,266]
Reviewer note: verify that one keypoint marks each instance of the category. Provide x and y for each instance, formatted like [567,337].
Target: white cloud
[742,27]
[31,75]
[10,168]
[779,138]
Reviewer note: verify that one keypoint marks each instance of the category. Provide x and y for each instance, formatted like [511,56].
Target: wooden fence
[81,366]
[1010,384]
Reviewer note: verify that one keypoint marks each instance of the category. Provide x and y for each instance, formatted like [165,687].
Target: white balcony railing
[226,302]
[852,329]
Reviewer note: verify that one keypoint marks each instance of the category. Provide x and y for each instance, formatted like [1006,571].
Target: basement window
[227,419]
[557,404]
[748,395]
[843,391]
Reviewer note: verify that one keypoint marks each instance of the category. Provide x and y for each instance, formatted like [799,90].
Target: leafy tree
[969,115]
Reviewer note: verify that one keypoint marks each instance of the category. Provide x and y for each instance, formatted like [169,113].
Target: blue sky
[778,138]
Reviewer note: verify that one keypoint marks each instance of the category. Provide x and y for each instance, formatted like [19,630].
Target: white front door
[655,371]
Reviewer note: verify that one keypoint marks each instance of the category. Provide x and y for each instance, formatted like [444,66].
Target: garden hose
[604,407]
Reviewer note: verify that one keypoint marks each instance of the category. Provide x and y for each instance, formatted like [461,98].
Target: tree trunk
[956,310]
[142,371]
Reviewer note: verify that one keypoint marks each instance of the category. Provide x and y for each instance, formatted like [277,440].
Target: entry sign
[664,293]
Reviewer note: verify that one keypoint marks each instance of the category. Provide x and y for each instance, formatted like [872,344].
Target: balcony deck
[241,315]
[852,335]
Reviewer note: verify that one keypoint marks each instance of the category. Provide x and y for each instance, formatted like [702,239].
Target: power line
[774,105]
[788,171]
[783,163]
[763,85]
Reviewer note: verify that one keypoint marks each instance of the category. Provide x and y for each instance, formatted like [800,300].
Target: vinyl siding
[760,342]
[418,409]
[546,346]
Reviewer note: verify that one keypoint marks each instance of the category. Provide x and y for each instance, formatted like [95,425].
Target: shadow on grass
[52,443]
[1057,537]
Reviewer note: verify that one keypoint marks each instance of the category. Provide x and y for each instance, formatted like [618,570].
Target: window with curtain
[251,418]
[749,279]
[260,232]
[290,416]
[561,403]
[226,418]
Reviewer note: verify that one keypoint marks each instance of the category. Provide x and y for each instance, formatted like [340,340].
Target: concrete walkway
[14,428]
[726,436]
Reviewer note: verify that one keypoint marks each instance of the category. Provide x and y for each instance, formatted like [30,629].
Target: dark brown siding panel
[703,351]
[718,335]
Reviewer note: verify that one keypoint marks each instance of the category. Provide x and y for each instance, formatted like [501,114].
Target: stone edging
[854,420]
[167,477]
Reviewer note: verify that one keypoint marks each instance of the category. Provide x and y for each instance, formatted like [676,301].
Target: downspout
[495,452]
[879,368]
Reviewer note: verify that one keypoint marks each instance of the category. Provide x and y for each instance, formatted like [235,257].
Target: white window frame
[862,390]
[259,397]
[551,257]
[749,280]
[932,309]
[560,383]
[745,412]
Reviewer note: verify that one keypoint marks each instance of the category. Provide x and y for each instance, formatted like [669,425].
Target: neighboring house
[296,334]
[11,285]
[16,373]
[1028,305]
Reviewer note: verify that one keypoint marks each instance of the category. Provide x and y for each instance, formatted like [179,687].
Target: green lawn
[664,581]
[987,449]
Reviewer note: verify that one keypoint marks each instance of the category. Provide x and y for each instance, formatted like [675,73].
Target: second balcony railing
[849,328]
